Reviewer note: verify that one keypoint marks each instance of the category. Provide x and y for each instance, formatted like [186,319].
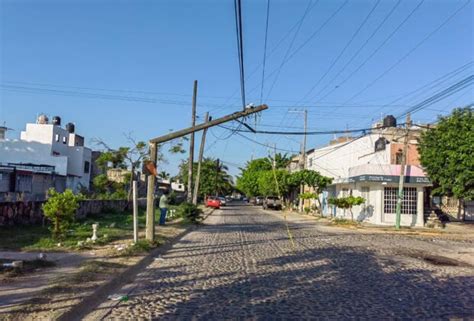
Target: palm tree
[164,175]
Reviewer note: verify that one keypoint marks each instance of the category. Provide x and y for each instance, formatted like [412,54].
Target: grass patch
[112,226]
[141,247]
[344,222]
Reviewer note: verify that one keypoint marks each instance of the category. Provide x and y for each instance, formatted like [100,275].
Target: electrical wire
[466,82]
[426,38]
[376,50]
[240,47]
[265,51]
[357,52]
[288,50]
[334,62]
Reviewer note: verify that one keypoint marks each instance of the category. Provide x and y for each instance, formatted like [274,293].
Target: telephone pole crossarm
[215,122]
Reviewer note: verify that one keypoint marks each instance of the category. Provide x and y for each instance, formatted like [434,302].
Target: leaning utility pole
[150,210]
[402,173]
[201,154]
[191,146]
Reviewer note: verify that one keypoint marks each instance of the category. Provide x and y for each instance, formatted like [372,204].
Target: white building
[369,166]
[45,148]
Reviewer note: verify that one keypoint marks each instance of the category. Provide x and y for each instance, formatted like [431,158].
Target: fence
[28,213]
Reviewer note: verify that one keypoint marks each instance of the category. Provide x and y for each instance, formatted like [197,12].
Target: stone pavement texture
[241,265]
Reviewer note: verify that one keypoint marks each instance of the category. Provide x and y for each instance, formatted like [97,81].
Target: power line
[240,47]
[385,19]
[376,50]
[430,85]
[354,35]
[322,132]
[272,51]
[466,82]
[409,52]
[264,145]
[288,50]
[265,51]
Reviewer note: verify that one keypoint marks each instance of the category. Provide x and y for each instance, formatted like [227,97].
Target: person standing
[163,207]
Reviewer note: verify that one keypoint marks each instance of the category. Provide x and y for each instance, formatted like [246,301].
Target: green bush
[307,210]
[61,208]
[189,212]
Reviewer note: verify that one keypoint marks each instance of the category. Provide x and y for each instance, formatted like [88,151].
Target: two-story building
[369,166]
[46,155]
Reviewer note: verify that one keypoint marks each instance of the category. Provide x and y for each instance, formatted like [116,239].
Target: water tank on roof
[70,128]
[389,121]
[380,144]
[56,121]
[42,119]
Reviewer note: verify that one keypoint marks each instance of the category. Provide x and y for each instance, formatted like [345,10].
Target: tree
[346,202]
[214,179]
[126,157]
[274,183]
[312,179]
[247,182]
[280,160]
[446,154]
[164,175]
[60,208]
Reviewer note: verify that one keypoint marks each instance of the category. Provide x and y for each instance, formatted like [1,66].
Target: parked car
[273,202]
[259,200]
[214,202]
[223,201]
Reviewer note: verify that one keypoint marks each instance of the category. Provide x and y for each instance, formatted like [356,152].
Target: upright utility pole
[191,146]
[303,152]
[303,155]
[402,173]
[150,196]
[201,154]
[217,174]
[135,211]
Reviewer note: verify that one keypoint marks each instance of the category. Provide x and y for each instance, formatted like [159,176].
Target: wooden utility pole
[402,173]
[150,196]
[135,212]
[215,178]
[303,152]
[191,146]
[150,209]
[201,154]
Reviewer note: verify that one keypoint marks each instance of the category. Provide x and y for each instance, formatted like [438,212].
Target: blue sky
[115,67]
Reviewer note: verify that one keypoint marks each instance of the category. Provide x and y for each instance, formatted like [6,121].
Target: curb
[92,301]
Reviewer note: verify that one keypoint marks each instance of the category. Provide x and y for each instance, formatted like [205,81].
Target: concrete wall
[373,210]
[335,160]
[18,151]
[28,213]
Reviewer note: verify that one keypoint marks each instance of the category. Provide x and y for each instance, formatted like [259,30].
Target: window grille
[409,200]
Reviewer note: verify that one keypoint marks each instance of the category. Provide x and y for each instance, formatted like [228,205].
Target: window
[64,140]
[408,201]
[56,137]
[399,157]
[310,162]
[87,166]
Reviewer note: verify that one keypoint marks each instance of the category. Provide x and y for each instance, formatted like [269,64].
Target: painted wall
[18,151]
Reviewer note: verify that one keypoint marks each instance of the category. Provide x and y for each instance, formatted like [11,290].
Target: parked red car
[213,202]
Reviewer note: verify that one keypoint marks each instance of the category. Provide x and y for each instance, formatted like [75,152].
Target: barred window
[408,203]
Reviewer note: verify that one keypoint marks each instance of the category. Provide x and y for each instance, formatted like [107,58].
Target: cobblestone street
[241,264]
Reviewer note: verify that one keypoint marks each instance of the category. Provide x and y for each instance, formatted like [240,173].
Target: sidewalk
[50,293]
